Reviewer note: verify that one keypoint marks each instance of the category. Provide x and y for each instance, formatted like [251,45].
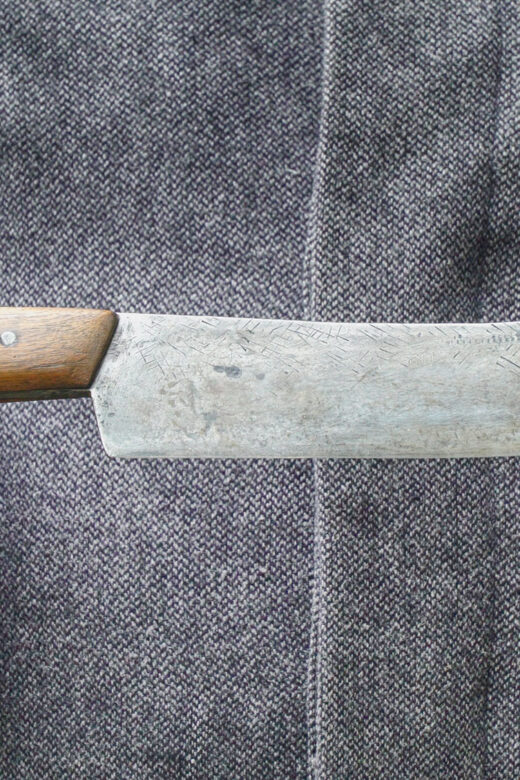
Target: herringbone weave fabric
[155,615]
[346,160]
[416,637]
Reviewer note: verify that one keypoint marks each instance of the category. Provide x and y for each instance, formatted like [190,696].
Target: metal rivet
[8,338]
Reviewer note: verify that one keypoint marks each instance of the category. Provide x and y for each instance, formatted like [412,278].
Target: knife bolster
[50,353]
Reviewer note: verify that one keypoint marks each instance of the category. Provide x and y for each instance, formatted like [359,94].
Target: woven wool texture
[257,619]
[155,615]
[416,630]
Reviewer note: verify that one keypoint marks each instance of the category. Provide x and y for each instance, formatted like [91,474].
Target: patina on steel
[212,387]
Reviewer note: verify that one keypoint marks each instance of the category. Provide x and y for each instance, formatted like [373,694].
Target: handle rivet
[8,338]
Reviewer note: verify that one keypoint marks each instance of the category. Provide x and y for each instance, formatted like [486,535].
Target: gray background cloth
[250,619]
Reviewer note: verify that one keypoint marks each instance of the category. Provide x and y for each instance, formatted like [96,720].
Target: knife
[214,387]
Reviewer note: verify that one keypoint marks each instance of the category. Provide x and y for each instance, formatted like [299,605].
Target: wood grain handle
[51,352]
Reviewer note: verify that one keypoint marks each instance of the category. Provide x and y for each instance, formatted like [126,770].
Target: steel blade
[180,387]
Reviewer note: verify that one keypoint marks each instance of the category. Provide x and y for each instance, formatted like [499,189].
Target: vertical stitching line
[310,283]
[482,257]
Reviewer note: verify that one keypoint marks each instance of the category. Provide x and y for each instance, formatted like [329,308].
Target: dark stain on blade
[233,372]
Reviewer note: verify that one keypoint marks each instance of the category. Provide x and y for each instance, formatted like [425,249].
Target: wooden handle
[51,352]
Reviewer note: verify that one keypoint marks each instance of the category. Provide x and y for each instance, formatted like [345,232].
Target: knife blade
[213,387]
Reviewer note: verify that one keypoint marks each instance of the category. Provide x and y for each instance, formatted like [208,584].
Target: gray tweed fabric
[256,619]
[155,615]
[416,630]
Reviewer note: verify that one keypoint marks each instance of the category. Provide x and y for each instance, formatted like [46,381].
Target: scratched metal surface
[182,387]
